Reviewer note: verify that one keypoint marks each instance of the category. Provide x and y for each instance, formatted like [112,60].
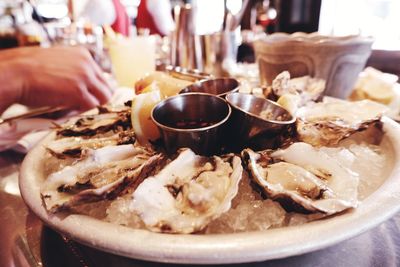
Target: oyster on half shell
[91,125]
[306,87]
[102,174]
[327,123]
[74,147]
[188,192]
[305,175]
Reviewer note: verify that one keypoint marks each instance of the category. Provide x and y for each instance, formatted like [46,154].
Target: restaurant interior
[199,132]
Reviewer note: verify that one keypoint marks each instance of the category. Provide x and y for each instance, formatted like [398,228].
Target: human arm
[57,76]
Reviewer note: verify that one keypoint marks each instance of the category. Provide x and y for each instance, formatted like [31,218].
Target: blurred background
[45,22]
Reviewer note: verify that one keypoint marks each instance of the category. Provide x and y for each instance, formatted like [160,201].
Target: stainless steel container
[213,53]
[256,122]
[220,87]
[219,52]
[185,44]
[192,120]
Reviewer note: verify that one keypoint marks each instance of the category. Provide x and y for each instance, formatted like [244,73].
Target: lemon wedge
[167,85]
[290,102]
[375,89]
[375,85]
[153,86]
[142,124]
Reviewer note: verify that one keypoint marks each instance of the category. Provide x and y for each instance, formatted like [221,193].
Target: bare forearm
[57,76]
[9,83]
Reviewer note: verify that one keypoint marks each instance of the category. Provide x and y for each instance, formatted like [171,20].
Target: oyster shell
[308,88]
[74,146]
[104,174]
[91,125]
[326,123]
[305,175]
[188,192]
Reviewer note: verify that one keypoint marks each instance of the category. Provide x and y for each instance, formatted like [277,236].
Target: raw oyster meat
[306,176]
[306,87]
[103,174]
[188,192]
[74,146]
[328,122]
[90,125]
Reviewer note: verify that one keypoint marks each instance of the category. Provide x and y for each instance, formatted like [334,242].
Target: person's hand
[57,76]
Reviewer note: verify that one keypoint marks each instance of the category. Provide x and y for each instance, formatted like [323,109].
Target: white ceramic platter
[226,248]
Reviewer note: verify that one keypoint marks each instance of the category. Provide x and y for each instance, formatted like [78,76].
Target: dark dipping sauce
[191,124]
[192,120]
[8,41]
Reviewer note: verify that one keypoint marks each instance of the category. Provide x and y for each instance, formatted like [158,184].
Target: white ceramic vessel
[337,60]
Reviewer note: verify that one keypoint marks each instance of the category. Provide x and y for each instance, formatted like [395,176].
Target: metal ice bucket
[185,45]
[211,53]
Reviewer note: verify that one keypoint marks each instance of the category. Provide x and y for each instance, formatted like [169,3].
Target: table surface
[26,242]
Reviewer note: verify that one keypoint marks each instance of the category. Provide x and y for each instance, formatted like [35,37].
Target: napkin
[22,135]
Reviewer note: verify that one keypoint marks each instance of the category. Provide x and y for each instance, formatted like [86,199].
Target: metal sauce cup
[256,122]
[193,120]
[219,87]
